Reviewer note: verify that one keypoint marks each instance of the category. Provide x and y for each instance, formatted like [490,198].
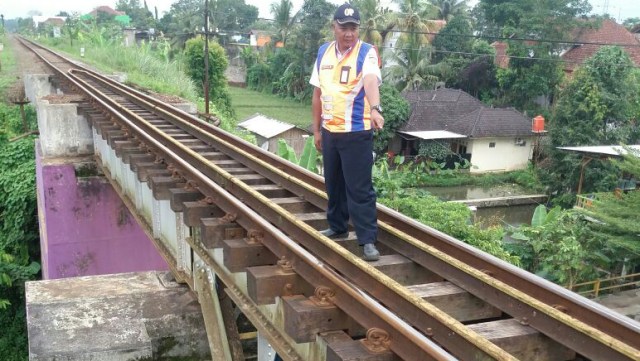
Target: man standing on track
[346,109]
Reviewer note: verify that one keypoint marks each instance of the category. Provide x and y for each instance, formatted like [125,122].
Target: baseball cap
[347,14]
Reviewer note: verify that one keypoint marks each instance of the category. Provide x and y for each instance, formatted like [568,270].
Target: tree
[617,214]
[374,21]
[558,246]
[232,15]
[218,91]
[71,27]
[534,70]
[412,69]
[446,9]
[396,113]
[630,23]
[184,18]
[411,60]
[140,15]
[283,18]
[598,106]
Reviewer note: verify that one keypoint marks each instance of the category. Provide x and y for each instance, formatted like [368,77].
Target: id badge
[344,74]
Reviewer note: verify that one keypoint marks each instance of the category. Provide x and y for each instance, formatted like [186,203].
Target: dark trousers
[348,160]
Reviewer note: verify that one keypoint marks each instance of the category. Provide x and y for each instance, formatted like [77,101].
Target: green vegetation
[309,159]
[19,245]
[7,67]
[146,66]
[592,109]
[431,174]
[217,64]
[618,216]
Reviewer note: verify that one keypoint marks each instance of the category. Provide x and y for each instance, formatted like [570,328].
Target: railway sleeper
[134,159]
[266,283]
[306,317]
[213,231]
[522,341]
[295,204]
[272,190]
[193,212]
[160,186]
[238,254]
[342,347]
[179,196]
[455,301]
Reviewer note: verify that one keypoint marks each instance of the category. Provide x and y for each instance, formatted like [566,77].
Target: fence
[594,288]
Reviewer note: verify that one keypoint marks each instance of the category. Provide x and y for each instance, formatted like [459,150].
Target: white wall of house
[506,154]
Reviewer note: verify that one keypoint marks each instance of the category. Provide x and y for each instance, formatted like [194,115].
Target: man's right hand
[317,139]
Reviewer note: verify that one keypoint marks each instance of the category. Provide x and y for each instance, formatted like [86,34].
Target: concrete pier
[505,201]
[132,316]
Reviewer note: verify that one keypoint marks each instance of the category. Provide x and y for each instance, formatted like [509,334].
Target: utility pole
[206,57]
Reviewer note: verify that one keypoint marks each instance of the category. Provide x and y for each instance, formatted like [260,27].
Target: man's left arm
[372,80]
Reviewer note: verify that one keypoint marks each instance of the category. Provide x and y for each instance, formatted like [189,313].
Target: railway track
[252,220]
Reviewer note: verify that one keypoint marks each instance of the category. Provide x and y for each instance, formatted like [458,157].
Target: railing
[607,284]
[585,201]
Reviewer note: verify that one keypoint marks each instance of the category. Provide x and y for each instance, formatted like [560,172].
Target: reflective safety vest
[344,105]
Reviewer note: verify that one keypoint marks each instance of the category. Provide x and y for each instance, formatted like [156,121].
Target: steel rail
[446,330]
[588,312]
[155,139]
[413,227]
[549,320]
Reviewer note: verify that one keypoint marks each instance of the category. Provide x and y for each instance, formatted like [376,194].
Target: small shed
[268,131]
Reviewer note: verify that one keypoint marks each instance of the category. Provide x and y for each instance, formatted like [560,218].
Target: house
[53,23]
[260,38]
[593,38]
[267,132]
[492,139]
[107,10]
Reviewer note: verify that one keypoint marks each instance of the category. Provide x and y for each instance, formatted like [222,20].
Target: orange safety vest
[344,105]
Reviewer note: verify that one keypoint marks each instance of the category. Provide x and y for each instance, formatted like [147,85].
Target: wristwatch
[377,108]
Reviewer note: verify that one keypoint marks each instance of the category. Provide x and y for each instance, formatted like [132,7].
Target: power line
[573,42]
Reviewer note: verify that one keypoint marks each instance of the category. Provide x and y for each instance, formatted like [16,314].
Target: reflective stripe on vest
[344,105]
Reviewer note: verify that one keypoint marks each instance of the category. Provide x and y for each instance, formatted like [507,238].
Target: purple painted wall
[85,229]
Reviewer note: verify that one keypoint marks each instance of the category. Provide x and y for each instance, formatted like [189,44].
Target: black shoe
[371,252]
[330,233]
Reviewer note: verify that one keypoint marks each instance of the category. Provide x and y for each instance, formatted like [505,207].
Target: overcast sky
[620,9]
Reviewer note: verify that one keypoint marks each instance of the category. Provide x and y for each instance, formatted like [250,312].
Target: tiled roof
[458,112]
[609,32]
[106,9]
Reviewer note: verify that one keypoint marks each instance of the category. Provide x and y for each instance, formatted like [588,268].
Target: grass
[142,66]
[8,72]
[247,102]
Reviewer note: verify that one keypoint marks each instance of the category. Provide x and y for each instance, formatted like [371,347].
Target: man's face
[346,35]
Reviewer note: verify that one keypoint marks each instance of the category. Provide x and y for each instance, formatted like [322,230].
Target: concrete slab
[37,86]
[131,316]
[624,302]
[62,131]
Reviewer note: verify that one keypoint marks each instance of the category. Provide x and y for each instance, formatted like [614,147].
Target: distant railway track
[253,216]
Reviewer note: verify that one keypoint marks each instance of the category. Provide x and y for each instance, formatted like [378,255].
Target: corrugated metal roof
[264,126]
[434,134]
[613,150]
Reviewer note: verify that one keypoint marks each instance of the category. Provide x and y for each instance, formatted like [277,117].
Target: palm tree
[284,21]
[411,68]
[448,8]
[375,23]
[409,64]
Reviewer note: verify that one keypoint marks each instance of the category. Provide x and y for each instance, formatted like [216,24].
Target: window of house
[492,144]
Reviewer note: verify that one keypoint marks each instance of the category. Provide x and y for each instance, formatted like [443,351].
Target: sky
[619,9]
